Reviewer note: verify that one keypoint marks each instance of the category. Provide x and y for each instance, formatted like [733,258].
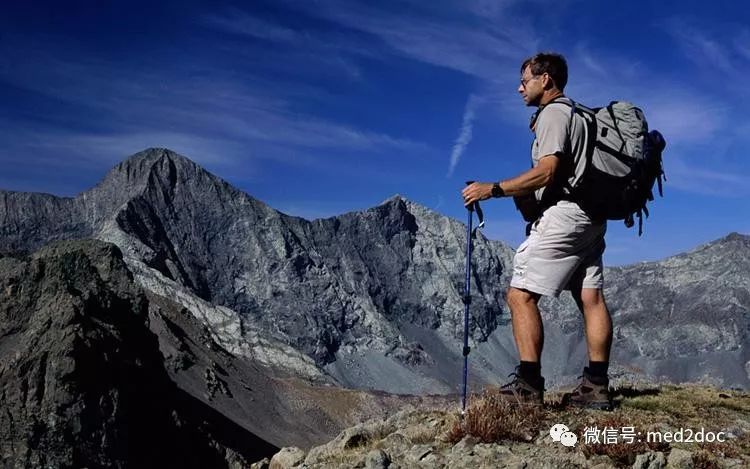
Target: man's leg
[528,330]
[528,385]
[598,323]
[593,391]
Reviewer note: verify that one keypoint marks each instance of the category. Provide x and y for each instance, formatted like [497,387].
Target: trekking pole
[467,290]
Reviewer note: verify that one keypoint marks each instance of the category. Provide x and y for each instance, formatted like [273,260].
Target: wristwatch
[497,191]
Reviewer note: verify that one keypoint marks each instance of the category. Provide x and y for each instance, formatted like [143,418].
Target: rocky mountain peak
[398,204]
[150,157]
[134,173]
[731,250]
[394,199]
[734,240]
[163,180]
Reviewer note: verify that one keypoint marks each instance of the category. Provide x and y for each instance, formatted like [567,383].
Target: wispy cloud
[237,21]
[444,36]
[120,108]
[439,203]
[685,116]
[685,113]
[464,136]
[83,148]
[742,43]
[706,50]
[691,177]
[490,9]
[591,63]
[323,50]
[479,38]
[698,126]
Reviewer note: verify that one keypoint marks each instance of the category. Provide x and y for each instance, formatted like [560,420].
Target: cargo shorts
[563,251]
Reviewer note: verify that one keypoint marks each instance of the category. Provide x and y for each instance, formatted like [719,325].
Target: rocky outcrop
[81,375]
[439,437]
[281,408]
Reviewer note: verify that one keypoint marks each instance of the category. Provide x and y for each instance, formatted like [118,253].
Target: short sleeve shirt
[560,132]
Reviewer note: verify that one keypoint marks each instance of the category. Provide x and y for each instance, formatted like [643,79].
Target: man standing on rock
[564,247]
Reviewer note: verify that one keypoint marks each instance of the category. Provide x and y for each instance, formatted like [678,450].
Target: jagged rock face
[81,377]
[349,280]
[373,298]
[96,372]
[29,221]
[330,286]
[687,316]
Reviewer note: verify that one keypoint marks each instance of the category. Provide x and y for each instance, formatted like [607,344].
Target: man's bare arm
[541,175]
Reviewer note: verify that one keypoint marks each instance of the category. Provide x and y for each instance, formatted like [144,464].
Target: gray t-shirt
[556,134]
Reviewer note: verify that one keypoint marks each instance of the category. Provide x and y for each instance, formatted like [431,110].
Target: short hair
[550,63]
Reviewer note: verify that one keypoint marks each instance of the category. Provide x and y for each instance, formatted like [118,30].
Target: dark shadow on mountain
[202,423]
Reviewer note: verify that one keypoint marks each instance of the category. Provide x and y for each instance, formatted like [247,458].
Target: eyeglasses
[524,82]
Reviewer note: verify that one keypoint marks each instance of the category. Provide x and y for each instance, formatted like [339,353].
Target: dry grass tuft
[719,449]
[456,433]
[491,418]
[705,460]
[689,401]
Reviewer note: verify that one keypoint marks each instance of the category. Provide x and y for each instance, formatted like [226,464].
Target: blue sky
[323,107]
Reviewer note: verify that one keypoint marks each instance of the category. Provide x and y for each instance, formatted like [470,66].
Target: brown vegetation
[491,418]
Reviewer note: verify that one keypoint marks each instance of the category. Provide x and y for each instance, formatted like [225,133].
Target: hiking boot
[519,391]
[592,393]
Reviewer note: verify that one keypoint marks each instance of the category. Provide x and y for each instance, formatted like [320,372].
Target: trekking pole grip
[470,207]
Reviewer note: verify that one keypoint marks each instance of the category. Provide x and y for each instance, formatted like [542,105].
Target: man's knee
[517,297]
[592,298]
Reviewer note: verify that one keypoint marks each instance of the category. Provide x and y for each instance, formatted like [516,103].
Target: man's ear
[548,83]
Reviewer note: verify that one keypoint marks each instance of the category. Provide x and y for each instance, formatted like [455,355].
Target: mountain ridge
[373,297]
[132,167]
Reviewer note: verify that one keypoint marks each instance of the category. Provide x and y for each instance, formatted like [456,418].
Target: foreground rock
[436,438]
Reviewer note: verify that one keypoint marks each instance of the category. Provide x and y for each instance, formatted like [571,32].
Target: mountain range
[368,300]
[372,299]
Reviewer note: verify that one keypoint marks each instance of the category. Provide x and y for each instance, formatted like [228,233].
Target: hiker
[564,245]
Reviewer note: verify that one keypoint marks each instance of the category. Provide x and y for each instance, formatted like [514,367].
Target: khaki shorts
[563,251]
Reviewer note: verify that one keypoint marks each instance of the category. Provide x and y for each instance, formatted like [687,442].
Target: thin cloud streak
[464,136]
